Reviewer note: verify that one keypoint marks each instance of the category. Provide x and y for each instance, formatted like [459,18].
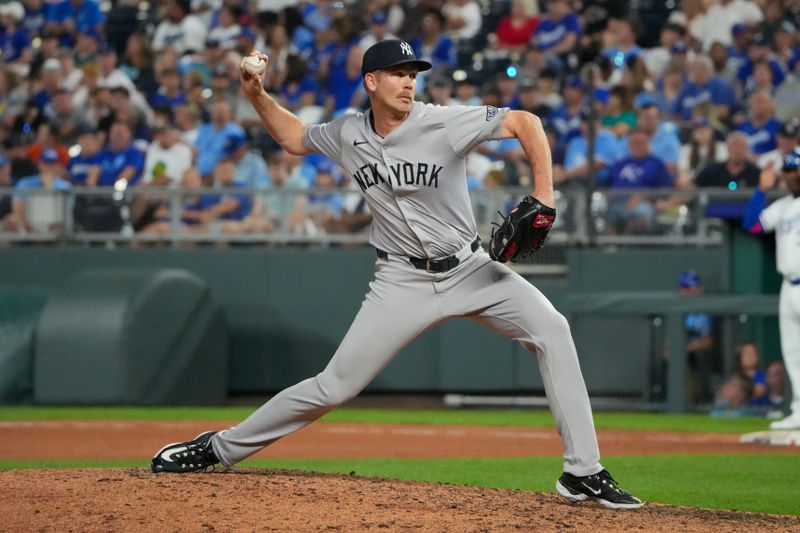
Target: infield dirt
[240,499]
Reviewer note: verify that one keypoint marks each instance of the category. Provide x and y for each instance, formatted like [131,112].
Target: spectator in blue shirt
[299,89]
[761,126]
[763,77]
[212,136]
[90,143]
[323,208]
[606,152]
[35,19]
[15,39]
[169,93]
[558,31]
[699,329]
[701,87]
[566,118]
[665,143]
[71,16]
[119,161]
[223,211]
[624,48]
[635,213]
[345,86]
[251,170]
[737,51]
[434,45]
[759,51]
[42,212]
[51,83]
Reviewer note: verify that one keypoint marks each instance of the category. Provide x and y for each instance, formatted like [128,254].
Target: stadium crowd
[115,95]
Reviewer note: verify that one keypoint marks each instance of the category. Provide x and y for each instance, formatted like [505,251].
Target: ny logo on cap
[406,48]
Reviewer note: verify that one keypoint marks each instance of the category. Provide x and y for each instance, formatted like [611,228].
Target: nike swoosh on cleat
[595,492]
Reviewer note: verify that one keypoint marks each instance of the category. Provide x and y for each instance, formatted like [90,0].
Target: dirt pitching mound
[277,500]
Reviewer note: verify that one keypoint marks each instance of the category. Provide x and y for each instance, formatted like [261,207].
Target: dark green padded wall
[286,311]
[19,313]
[132,336]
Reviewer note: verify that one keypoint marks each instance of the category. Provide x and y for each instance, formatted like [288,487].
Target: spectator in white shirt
[463,19]
[180,30]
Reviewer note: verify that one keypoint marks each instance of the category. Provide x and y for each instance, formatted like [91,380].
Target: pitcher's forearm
[282,125]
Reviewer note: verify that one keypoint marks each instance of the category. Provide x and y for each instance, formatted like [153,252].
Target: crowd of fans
[147,94]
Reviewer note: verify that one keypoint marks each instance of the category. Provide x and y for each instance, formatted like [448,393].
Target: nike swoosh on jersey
[356,143]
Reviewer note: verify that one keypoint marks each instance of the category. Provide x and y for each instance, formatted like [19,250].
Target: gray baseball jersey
[415,183]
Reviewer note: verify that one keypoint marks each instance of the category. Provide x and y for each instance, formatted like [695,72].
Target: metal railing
[142,215]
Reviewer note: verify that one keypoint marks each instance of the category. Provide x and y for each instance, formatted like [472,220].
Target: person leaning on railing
[38,212]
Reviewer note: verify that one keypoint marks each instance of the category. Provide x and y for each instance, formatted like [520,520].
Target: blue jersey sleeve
[753,210]
[572,24]
[664,177]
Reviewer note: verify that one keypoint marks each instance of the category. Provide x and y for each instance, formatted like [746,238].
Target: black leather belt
[434,265]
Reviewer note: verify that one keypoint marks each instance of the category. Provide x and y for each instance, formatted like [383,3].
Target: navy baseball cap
[391,53]
[689,279]
[679,48]
[790,128]
[791,161]
[739,28]
[379,17]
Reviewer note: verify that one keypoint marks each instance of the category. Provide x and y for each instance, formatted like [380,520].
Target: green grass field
[746,482]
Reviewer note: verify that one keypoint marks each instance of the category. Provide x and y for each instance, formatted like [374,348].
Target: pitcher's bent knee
[334,391]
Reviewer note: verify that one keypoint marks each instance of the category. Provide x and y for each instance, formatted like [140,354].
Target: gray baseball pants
[402,303]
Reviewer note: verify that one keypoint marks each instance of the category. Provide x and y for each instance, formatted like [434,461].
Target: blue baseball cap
[644,100]
[689,279]
[574,81]
[248,33]
[234,141]
[49,156]
[791,161]
[326,166]
[379,17]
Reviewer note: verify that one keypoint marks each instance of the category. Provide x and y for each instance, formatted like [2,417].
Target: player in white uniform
[409,161]
[783,217]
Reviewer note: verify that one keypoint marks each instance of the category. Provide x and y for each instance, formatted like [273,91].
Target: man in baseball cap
[779,217]
[407,158]
[391,53]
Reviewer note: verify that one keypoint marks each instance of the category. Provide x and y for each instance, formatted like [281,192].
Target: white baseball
[255,63]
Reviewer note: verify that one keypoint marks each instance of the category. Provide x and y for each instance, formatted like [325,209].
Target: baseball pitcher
[408,159]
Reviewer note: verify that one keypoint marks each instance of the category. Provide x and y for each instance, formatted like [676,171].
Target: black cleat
[600,486]
[189,456]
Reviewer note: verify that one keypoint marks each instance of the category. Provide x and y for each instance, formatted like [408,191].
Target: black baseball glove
[522,232]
